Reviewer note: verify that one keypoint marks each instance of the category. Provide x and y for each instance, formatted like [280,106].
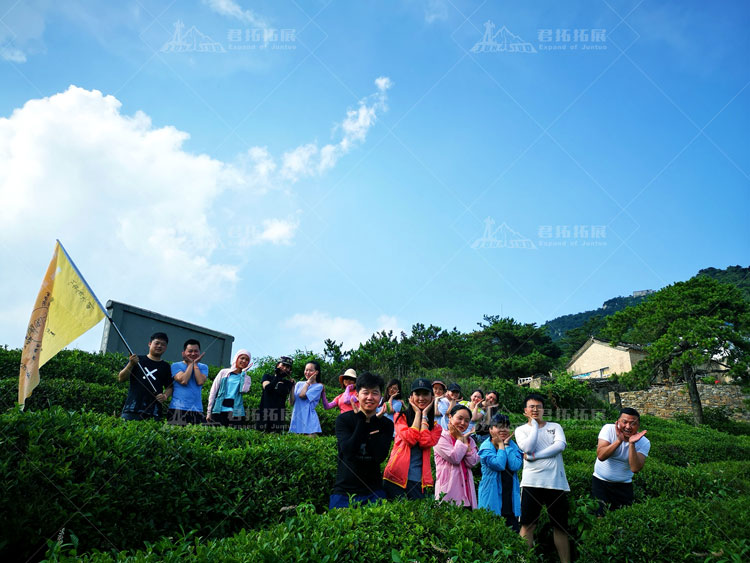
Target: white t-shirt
[616,468]
[545,473]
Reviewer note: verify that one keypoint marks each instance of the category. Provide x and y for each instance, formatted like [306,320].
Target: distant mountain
[559,326]
[736,275]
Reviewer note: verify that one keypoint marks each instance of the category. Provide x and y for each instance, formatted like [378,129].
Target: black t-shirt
[276,392]
[362,447]
[506,480]
[144,387]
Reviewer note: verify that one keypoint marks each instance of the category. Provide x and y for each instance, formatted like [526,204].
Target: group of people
[377,423]
[430,422]
[154,382]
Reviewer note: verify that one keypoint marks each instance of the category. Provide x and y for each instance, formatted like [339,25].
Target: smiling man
[363,443]
[150,382]
[620,453]
[189,376]
[543,481]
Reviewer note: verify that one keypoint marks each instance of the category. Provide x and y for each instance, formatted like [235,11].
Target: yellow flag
[65,308]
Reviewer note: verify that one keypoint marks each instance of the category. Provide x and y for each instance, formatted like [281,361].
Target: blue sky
[338,178]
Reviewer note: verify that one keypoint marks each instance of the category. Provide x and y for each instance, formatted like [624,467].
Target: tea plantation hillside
[80,483]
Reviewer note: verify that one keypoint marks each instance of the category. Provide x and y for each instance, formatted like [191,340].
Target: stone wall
[666,400]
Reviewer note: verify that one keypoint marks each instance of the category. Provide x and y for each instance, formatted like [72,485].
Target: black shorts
[616,495]
[556,501]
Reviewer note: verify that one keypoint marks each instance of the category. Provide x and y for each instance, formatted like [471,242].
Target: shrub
[117,484]
[68,364]
[70,394]
[671,530]
[721,478]
[422,531]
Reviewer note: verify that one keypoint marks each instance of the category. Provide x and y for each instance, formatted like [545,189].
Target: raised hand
[429,407]
[635,437]
[619,433]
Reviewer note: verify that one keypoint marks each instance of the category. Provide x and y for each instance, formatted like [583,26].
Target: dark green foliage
[70,394]
[398,531]
[717,418]
[68,364]
[683,326]
[116,484]
[735,275]
[560,327]
[671,529]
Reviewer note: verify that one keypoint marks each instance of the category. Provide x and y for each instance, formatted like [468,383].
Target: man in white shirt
[543,482]
[620,453]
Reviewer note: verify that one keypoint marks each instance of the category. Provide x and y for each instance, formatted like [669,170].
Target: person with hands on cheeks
[225,404]
[408,472]
[345,400]
[490,407]
[392,402]
[447,402]
[455,455]
[620,453]
[189,375]
[543,480]
[277,388]
[150,382]
[304,400]
[363,441]
[501,459]
[475,402]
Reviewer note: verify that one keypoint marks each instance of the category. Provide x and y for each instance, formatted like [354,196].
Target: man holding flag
[150,384]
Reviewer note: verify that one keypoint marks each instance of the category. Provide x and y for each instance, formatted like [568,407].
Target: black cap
[421,383]
[454,387]
[285,360]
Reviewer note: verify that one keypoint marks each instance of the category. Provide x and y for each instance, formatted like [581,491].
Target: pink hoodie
[454,478]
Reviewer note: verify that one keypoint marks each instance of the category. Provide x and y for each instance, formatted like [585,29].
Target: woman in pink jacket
[455,455]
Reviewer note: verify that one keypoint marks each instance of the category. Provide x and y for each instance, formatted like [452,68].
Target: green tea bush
[657,479]
[116,484]
[423,531]
[68,364]
[668,529]
[70,394]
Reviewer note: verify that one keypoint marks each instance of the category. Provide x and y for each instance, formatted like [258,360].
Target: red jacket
[397,469]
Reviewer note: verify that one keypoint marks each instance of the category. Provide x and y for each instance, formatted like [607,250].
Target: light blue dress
[304,418]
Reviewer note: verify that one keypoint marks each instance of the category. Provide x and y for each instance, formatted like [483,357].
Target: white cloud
[12,54]
[146,221]
[231,9]
[316,326]
[309,160]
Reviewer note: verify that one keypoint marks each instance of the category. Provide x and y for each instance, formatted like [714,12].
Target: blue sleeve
[515,457]
[495,459]
[176,368]
[314,392]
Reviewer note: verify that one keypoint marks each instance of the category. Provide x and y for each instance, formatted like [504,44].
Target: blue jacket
[490,487]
